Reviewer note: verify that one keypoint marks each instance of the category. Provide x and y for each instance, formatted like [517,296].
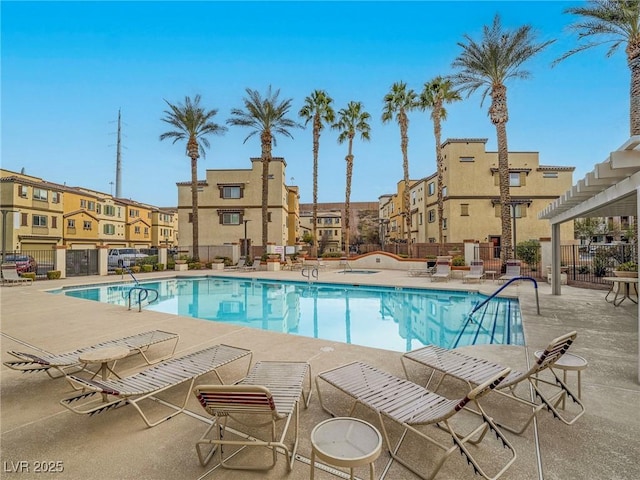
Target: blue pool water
[398,319]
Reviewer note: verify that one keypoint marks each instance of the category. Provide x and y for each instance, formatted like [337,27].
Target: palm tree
[488,65]
[193,123]
[317,108]
[265,117]
[435,94]
[399,101]
[351,120]
[614,22]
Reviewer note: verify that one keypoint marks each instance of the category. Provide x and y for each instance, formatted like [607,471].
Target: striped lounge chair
[415,408]
[268,396]
[69,362]
[549,394]
[101,395]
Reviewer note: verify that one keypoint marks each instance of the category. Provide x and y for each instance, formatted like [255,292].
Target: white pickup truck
[124,257]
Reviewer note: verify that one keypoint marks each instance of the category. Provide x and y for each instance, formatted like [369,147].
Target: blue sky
[67,67]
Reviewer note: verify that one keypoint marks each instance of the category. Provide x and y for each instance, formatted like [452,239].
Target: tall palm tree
[267,118]
[434,95]
[614,22]
[399,101]
[488,65]
[351,121]
[193,123]
[317,108]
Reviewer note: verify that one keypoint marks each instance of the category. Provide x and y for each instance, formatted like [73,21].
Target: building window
[444,223]
[514,179]
[91,205]
[464,210]
[444,191]
[134,212]
[550,175]
[231,219]
[432,240]
[420,218]
[467,159]
[40,194]
[55,197]
[22,191]
[432,216]
[146,231]
[83,203]
[413,198]
[119,212]
[54,221]
[86,225]
[231,192]
[431,188]
[136,230]
[109,229]
[98,208]
[71,223]
[520,210]
[39,220]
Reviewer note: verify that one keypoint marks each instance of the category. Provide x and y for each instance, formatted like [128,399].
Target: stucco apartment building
[328,229]
[472,197]
[230,204]
[38,215]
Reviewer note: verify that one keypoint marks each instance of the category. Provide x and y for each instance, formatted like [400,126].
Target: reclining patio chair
[270,394]
[476,272]
[476,371]
[443,271]
[414,407]
[137,387]
[65,363]
[10,275]
[512,271]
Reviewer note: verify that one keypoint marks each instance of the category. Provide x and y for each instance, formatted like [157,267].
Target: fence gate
[82,262]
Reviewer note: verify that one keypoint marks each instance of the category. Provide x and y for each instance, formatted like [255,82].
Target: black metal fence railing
[589,264]
[34,261]
[81,262]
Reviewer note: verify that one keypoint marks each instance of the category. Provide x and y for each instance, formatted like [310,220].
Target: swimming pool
[398,319]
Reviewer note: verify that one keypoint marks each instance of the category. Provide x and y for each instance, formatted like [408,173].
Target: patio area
[36,430]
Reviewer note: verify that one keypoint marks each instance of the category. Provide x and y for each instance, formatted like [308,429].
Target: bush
[135,269]
[529,252]
[53,274]
[150,260]
[159,266]
[584,270]
[170,265]
[458,261]
[332,255]
[31,275]
[147,268]
[195,265]
[119,271]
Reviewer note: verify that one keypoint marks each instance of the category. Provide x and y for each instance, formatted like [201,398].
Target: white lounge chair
[476,272]
[475,371]
[413,408]
[64,362]
[443,271]
[268,396]
[10,275]
[512,271]
[101,395]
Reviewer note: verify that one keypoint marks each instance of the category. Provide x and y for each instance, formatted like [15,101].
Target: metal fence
[37,261]
[589,264]
[81,262]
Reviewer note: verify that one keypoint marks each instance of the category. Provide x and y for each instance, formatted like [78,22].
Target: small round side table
[569,362]
[345,442]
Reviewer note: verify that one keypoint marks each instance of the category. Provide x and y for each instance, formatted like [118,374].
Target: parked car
[124,257]
[24,263]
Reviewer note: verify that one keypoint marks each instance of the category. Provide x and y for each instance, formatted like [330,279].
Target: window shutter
[523,210]
[496,179]
[523,179]
[221,190]
[54,221]
[24,220]
[241,192]
[191,217]
[498,210]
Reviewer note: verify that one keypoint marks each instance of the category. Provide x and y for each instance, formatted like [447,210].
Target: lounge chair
[10,275]
[150,382]
[63,363]
[425,270]
[270,394]
[414,407]
[476,272]
[476,371]
[443,271]
[512,271]
[291,265]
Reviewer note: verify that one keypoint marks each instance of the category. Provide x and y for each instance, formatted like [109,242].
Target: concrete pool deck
[117,444]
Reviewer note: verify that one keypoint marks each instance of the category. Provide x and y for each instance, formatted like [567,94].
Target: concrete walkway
[36,429]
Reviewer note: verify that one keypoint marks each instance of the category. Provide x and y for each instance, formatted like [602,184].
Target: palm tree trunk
[266,141]
[347,207]
[194,209]
[316,146]
[437,133]
[404,144]
[633,60]
[499,117]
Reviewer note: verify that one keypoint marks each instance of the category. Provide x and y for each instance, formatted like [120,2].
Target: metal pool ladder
[310,272]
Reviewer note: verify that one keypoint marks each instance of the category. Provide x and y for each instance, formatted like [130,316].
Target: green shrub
[195,265]
[53,274]
[147,268]
[135,269]
[458,261]
[31,275]
[332,255]
[529,252]
[584,270]
[150,260]
[159,266]
[119,271]
[627,267]
[170,265]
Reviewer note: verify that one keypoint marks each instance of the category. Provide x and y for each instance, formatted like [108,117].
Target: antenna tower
[119,161]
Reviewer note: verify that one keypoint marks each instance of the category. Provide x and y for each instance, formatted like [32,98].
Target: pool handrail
[128,270]
[141,291]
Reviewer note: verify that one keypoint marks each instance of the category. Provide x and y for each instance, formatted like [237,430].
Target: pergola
[610,190]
